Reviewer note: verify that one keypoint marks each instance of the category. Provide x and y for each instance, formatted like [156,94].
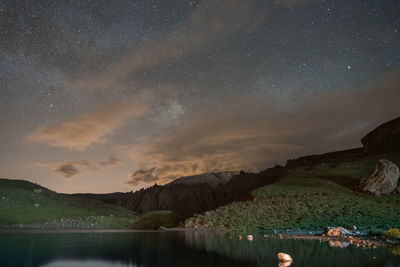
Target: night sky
[103,96]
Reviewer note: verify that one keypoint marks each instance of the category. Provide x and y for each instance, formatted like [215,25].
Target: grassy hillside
[24,204]
[312,197]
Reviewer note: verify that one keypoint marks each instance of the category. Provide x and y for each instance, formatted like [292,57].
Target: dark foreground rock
[384,179]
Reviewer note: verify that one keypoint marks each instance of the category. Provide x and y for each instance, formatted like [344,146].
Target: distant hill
[310,191]
[27,205]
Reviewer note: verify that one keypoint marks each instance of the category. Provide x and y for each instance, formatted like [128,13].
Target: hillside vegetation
[27,205]
[311,197]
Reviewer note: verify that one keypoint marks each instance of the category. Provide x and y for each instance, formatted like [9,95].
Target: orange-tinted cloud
[260,134]
[73,168]
[88,128]
[143,176]
[70,169]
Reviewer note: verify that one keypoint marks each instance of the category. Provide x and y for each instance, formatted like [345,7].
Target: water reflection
[176,249]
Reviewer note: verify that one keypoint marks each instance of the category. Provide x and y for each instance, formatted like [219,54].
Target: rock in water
[384,179]
[283,257]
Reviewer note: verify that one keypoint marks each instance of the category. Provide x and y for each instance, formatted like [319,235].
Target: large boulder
[383,180]
[385,138]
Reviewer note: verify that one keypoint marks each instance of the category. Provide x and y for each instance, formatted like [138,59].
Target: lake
[180,248]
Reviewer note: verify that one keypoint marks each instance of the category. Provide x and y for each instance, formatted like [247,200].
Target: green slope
[312,197]
[27,205]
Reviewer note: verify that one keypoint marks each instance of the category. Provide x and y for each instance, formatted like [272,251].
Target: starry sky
[103,96]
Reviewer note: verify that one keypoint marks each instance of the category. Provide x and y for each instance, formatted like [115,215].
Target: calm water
[175,249]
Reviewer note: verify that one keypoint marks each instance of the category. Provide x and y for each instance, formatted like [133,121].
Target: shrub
[393,233]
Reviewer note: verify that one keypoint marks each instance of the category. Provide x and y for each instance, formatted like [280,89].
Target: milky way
[100,96]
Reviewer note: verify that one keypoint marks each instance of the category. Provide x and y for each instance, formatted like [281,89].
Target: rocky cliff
[188,199]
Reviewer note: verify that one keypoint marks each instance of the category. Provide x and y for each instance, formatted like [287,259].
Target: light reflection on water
[59,249]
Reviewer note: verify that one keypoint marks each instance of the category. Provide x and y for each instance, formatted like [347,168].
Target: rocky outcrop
[185,199]
[385,138]
[338,231]
[188,199]
[383,180]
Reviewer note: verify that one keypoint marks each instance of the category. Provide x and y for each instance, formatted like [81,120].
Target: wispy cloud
[72,168]
[143,176]
[88,128]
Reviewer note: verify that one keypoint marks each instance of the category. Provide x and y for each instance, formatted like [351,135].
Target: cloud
[264,132]
[143,176]
[88,128]
[110,162]
[211,21]
[73,168]
[70,169]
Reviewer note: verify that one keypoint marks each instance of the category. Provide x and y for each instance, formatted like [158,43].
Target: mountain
[195,194]
[308,192]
